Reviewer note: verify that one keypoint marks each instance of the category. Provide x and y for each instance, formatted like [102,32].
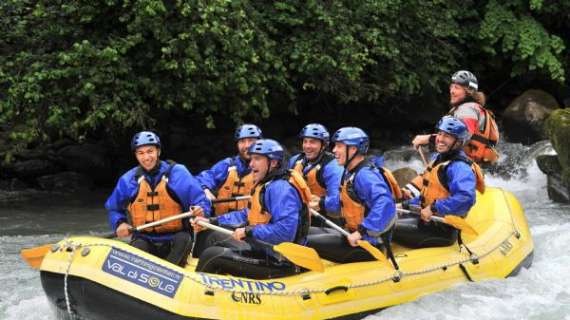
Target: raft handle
[209,292]
[337,288]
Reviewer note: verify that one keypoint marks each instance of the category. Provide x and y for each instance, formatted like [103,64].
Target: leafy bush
[68,68]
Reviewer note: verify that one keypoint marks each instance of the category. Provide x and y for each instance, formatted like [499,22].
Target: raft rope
[397,275]
[69,247]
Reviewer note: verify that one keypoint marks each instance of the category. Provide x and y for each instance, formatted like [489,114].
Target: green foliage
[509,28]
[68,68]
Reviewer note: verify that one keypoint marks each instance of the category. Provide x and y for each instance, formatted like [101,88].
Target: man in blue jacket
[368,205]
[448,187]
[278,214]
[319,169]
[151,191]
[231,176]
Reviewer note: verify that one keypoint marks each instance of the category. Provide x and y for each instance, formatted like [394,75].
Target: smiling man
[231,177]
[367,202]
[278,213]
[319,169]
[151,191]
[468,105]
[448,187]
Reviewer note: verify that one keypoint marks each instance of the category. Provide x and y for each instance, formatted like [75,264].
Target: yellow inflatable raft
[96,278]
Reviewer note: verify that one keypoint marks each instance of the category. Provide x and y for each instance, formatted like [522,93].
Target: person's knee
[141,244]
[210,259]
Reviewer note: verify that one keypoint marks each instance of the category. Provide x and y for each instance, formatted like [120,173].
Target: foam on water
[538,293]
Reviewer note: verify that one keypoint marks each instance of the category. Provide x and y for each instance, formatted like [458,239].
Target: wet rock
[524,118]
[558,191]
[548,164]
[68,181]
[404,175]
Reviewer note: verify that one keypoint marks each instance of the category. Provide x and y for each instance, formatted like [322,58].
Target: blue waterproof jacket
[461,181]
[332,174]
[185,187]
[214,177]
[282,201]
[374,192]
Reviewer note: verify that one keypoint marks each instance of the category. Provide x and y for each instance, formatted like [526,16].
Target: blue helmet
[454,127]
[352,136]
[466,79]
[247,131]
[145,138]
[269,148]
[316,131]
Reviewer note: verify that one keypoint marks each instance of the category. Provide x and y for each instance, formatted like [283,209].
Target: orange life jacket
[481,147]
[151,205]
[434,185]
[314,177]
[234,186]
[352,208]
[258,213]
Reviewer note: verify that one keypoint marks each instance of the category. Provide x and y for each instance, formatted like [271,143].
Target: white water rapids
[542,292]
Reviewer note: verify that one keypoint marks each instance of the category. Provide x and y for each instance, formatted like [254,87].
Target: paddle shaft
[232,199]
[330,223]
[154,223]
[433,217]
[421,152]
[214,227]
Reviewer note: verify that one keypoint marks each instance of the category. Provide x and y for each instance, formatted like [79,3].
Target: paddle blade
[460,223]
[375,252]
[35,256]
[302,256]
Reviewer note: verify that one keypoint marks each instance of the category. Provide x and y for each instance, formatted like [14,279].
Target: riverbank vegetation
[75,68]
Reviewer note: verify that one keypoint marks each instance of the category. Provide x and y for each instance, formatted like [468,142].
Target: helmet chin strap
[349,160]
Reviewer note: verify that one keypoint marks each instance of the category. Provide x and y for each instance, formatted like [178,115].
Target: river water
[542,292]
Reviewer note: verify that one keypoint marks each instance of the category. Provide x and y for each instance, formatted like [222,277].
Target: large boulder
[557,190]
[67,181]
[32,168]
[524,118]
[404,175]
[90,159]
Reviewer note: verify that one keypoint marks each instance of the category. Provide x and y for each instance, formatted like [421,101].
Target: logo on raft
[246,297]
[241,284]
[142,272]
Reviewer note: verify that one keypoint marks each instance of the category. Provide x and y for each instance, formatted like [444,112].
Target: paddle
[232,199]
[420,150]
[452,220]
[375,252]
[300,255]
[34,256]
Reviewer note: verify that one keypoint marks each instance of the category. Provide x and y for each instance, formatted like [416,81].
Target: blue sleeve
[461,182]
[284,204]
[215,176]
[188,189]
[292,161]
[234,219]
[375,192]
[332,174]
[117,203]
